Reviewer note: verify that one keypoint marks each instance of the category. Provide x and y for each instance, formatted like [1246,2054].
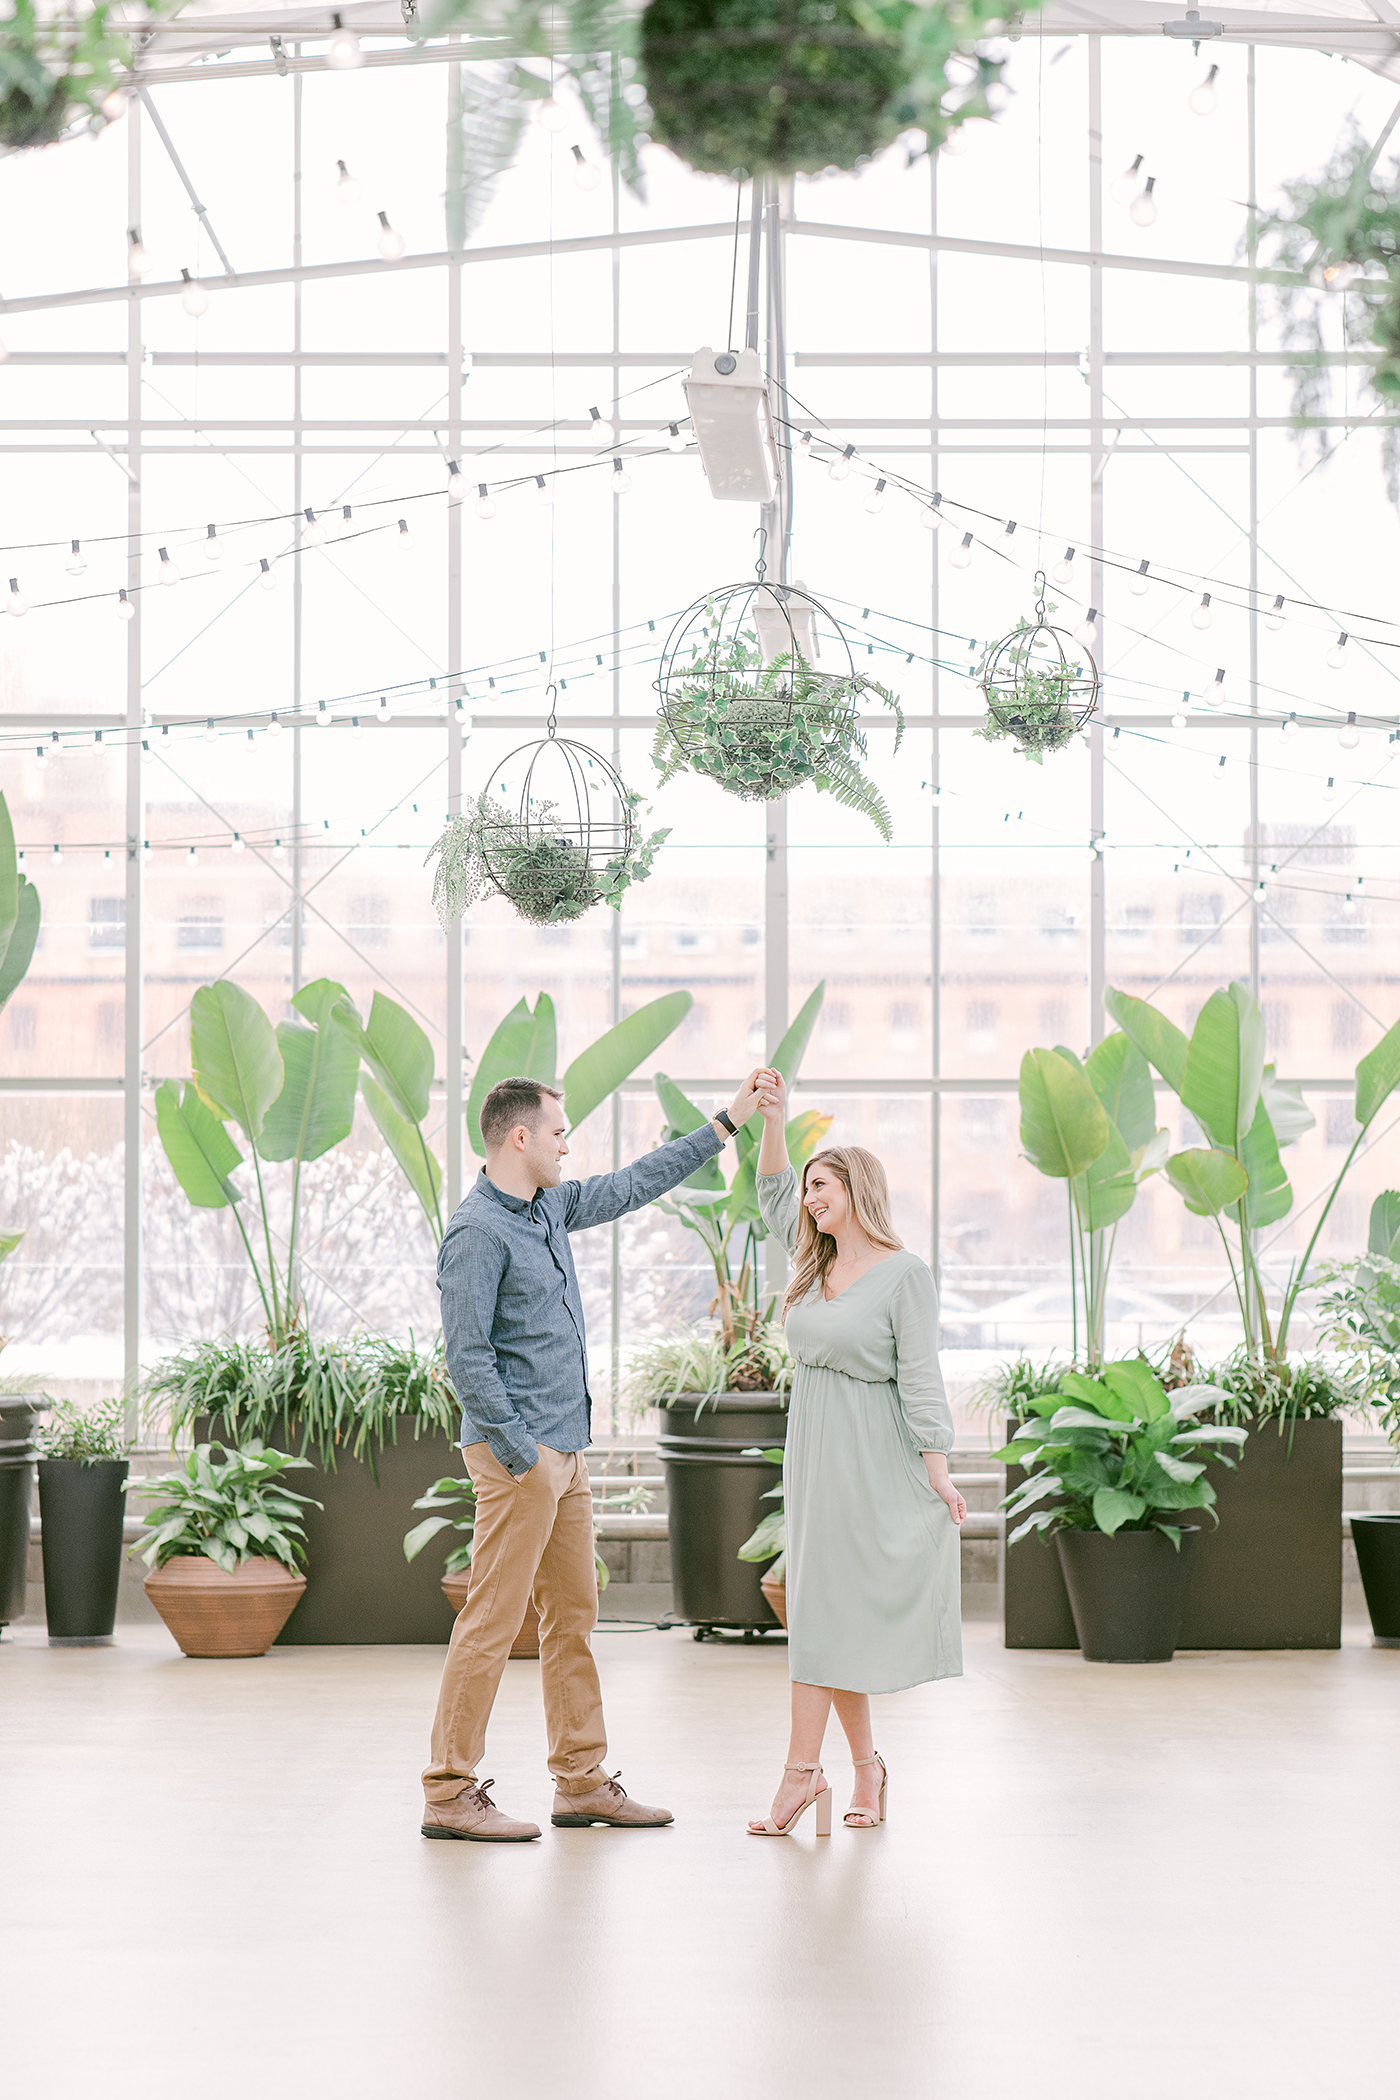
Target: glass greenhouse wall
[991,326]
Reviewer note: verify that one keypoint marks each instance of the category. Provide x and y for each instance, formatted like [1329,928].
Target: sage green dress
[873,1570]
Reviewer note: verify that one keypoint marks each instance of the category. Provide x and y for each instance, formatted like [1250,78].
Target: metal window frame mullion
[1097,464]
[134,967]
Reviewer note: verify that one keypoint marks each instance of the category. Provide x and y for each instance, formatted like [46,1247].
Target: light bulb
[407,542]
[841,466]
[76,564]
[213,545]
[193,860]
[356,732]
[211,734]
[1201,617]
[804,443]
[1340,277]
[875,501]
[323,715]
[621,479]
[391,242]
[194,298]
[125,609]
[1203,99]
[1123,188]
[543,492]
[274,727]
[384,712]
[18,603]
[139,260]
[956,143]
[1143,210]
[1086,633]
[1348,904]
[313,532]
[279,851]
[343,52]
[677,440]
[1063,571]
[1349,736]
[1329,789]
[485,503]
[552,115]
[586,176]
[1178,720]
[238,845]
[41,756]
[167,572]
[348,188]
[1337,654]
[456,487]
[1139,580]
[931,517]
[961,555]
[1273,619]
[267,574]
[1216,696]
[58,856]
[1290,728]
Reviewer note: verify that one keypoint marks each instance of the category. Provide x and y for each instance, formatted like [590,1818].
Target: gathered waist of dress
[833,1371]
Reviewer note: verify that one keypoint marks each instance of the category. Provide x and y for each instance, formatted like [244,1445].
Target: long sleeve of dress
[919,1376]
[777,1200]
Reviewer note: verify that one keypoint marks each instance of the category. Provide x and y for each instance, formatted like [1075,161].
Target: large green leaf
[1113,1508]
[1104,1192]
[233,1048]
[1270,1193]
[1160,1040]
[600,1069]
[1122,1078]
[1385,1224]
[1288,1112]
[19,951]
[1377,1075]
[804,1133]
[8,1243]
[400,1056]
[1136,1383]
[682,1116]
[1064,1128]
[316,1107]
[197,1145]
[1208,1182]
[9,877]
[523,1047]
[788,1056]
[405,1141]
[1225,1067]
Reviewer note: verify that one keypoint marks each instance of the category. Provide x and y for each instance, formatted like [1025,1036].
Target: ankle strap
[875,1760]
[802,1768]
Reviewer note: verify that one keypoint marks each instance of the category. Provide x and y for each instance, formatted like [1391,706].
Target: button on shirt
[512,1314]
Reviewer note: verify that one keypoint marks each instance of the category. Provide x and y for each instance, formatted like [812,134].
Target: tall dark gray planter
[1376,1536]
[714,1497]
[81,1507]
[18,1414]
[1127,1592]
[1270,1575]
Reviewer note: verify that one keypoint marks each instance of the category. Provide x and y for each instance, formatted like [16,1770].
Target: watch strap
[721,1117]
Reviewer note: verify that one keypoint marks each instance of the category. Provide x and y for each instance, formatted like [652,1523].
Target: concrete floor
[1095,1881]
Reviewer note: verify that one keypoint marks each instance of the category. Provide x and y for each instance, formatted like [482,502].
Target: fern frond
[853,789]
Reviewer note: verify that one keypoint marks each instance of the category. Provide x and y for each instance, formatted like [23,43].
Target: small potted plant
[453,1502]
[223,1545]
[1038,692]
[1363,1306]
[769,1542]
[1112,1464]
[82,1504]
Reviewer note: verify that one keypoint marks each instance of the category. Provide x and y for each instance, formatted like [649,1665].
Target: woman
[872,1516]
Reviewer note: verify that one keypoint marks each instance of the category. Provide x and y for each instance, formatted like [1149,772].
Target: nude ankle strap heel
[859,1818]
[821,1795]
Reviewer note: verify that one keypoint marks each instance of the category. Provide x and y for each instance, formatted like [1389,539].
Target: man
[513,1321]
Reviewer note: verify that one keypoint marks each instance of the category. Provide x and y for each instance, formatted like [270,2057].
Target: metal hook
[761,565]
[551,726]
[1040,596]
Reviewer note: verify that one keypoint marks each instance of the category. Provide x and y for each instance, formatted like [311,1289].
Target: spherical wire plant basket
[1038,690]
[741,699]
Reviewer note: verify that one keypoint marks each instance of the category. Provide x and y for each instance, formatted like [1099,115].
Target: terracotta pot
[213,1613]
[776,1593]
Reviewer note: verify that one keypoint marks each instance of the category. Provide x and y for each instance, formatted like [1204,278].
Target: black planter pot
[1377,1540]
[1127,1592]
[715,1501]
[18,1414]
[1268,1576]
[81,1507]
[359,1588]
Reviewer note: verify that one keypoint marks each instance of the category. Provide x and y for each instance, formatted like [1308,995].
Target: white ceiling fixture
[732,418]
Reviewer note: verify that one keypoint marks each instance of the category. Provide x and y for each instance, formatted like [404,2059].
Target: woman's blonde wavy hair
[863,1178]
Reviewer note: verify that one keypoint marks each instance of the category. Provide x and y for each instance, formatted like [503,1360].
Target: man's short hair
[511,1102]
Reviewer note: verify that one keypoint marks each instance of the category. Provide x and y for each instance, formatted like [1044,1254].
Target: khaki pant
[533,1536]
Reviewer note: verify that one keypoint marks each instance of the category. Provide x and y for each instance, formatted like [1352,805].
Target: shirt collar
[488,1188]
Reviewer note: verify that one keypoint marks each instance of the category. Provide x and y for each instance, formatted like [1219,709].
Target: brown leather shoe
[473,1817]
[605,1803]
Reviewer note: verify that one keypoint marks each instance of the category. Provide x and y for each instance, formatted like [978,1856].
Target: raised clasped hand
[772,1095]
[746,1101]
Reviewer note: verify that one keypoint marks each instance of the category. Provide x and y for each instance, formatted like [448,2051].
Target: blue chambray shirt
[512,1315]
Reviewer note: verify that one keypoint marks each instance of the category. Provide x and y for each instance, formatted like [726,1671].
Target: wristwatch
[720,1117]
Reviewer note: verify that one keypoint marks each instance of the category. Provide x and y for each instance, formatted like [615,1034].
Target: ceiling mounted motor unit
[732,418]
